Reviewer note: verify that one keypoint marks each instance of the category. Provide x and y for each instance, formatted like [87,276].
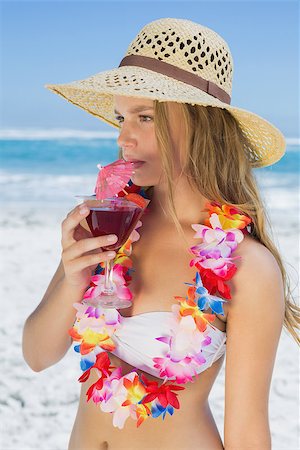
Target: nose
[126,139]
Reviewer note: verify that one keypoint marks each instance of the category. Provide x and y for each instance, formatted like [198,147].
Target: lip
[136,163]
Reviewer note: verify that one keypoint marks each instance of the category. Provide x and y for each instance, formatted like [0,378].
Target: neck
[189,203]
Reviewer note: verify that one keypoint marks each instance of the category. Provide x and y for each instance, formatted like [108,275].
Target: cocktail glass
[111,216]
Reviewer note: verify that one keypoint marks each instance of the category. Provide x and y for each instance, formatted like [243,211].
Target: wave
[32,188]
[54,133]
[280,192]
[64,133]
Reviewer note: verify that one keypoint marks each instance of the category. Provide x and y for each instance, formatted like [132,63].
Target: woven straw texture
[191,47]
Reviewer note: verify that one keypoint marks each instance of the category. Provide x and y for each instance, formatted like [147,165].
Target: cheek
[152,152]
[149,174]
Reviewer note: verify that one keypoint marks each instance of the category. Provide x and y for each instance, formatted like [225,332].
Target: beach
[38,409]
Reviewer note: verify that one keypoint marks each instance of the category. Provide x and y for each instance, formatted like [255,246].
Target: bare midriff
[161,269]
[192,426]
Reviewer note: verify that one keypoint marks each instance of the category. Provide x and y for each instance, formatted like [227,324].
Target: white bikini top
[136,342]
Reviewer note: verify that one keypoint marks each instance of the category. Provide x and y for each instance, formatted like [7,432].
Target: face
[137,138]
[138,141]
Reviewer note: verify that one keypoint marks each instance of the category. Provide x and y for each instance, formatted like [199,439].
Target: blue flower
[205,300]
[85,364]
[157,410]
[99,270]
[209,301]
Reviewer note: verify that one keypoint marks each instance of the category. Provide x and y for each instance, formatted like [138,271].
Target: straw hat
[175,60]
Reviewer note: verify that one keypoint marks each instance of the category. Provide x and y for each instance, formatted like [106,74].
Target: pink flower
[118,282]
[135,235]
[186,338]
[98,319]
[181,371]
[118,396]
[219,266]
[103,394]
[184,353]
[217,246]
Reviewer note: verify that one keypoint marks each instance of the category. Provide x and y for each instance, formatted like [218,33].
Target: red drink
[116,216]
[119,220]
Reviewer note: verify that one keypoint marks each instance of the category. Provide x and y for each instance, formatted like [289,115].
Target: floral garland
[94,328]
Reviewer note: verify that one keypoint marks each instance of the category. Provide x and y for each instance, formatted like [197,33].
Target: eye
[120,119]
[146,117]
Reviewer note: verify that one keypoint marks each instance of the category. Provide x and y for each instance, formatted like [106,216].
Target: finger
[79,248]
[81,202]
[71,222]
[72,210]
[81,232]
[86,261]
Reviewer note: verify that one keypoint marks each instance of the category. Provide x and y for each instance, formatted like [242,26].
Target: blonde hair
[215,144]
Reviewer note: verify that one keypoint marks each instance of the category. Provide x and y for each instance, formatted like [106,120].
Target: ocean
[55,170]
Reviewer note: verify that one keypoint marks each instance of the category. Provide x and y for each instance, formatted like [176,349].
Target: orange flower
[142,413]
[229,216]
[90,339]
[188,307]
[135,391]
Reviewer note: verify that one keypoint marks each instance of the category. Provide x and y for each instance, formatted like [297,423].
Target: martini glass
[111,216]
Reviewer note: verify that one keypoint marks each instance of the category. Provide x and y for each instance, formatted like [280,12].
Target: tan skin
[253,319]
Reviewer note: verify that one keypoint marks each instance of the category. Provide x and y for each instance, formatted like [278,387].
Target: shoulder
[257,286]
[255,261]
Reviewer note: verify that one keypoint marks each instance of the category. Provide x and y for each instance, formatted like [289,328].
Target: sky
[61,41]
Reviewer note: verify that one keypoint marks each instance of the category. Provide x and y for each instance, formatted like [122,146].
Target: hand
[81,253]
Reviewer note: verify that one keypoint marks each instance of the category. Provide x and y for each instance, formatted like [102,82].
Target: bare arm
[254,323]
[45,333]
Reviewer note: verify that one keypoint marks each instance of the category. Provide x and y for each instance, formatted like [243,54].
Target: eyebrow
[137,109]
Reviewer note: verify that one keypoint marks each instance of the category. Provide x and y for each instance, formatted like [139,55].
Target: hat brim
[95,95]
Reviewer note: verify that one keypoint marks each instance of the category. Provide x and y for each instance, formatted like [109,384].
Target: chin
[148,176]
[141,180]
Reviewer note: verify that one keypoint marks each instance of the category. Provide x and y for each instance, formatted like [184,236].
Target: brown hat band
[178,74]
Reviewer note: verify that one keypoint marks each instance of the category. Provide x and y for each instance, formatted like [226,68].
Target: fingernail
[83,210]
[112,238]
[111,254]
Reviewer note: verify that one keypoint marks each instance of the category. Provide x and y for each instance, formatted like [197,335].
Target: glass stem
[108,285]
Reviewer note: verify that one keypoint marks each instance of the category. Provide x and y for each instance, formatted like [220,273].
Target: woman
[170,98]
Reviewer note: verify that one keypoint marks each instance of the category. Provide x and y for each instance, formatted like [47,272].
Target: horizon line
[65,133]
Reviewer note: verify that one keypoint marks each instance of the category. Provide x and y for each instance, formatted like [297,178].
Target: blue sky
[61,41]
